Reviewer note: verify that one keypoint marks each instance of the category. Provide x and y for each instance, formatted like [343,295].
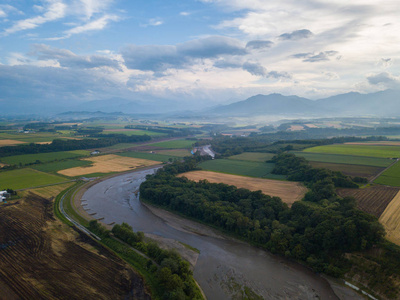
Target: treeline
[318,232]
[171,272]
[170,131]
[67,145]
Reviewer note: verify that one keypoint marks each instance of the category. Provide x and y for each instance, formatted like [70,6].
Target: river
[224,266]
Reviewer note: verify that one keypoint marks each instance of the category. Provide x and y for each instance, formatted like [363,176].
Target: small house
[95,152]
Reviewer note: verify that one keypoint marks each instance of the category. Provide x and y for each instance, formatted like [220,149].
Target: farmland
[289,192]
[25,178]
[133,132]
[253,156]
[9,142]
[390,219]
[391,176]
[175,152]
[43,157]
[41,258]
[107,164]
[240,167]
[150,156]
[372,200]
[352,170]
[358,150]
[175,144]
[53,167]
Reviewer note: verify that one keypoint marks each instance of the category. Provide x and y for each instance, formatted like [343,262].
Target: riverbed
[225,267]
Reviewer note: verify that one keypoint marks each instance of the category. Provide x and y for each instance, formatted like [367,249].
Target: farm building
[3,196]
[95,152]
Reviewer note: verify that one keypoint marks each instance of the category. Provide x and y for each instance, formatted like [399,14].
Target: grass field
[108,164]
[345,159]
[288,191]
[253,156]
[390,219]
[131,132]
[25,178]
[240,167]
[391,176]
[358,150]
[175,144]
[175,152]
[351,170]
[56,166]
[43,157]
[147,155]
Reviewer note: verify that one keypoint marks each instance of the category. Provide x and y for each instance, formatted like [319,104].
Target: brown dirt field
[351,170]
[10,142]
[390,219]
[42,258]
[288,191]
[43,143]
[372,200]
[378,143]
[107,164]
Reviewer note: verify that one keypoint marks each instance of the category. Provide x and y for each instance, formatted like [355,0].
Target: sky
[195,51]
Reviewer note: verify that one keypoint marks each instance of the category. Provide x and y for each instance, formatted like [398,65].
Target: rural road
[225,266]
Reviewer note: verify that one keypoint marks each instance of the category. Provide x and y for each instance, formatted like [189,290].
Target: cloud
[94,25]
[5,9]
[296,35]
[88,8]
[259,45]
[384,79]
[185,13]
[153,22]
[316,57]
[162,57]
[55,10]
[69,59]
[255,69]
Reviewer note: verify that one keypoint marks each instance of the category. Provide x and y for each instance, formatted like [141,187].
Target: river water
[224,266]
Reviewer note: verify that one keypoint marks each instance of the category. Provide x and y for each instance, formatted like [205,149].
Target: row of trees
[318,231]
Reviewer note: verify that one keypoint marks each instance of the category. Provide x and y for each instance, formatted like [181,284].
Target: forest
[317,231]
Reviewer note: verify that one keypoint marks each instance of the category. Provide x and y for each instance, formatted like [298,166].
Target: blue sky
[190,50]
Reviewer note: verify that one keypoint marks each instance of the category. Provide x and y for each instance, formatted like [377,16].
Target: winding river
[224,265]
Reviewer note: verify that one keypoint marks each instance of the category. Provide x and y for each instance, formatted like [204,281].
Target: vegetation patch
[358,150]
[27,159]
[175,152]
[240,167]
[176,144]
[51,191]
[25,178]
[130,132]
[253,156]
[107,164]
[7,142]
[351,170]
[288,191]
[150,156]
[391,176]
[61,165]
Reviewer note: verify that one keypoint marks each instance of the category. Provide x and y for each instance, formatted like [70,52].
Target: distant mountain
[381,104]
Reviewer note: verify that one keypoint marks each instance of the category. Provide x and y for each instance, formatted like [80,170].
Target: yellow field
[108,163]
[390,219]
[10,142]
[51,191]
[288,191]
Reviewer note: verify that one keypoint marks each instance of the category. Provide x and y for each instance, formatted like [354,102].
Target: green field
[175,152]
[176,144]
[136,132]
[43,157]
[347,169]
[345,159]
[149,156]
[60,165]
[240,167]
[391,176]
[253,156]
[25,178]
[357,150]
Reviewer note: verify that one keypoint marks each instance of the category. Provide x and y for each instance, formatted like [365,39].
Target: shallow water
[224,266]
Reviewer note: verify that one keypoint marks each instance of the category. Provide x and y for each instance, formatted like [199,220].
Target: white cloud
[97,24]
[153,22]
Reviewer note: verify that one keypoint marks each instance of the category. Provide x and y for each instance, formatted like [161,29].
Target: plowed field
[372,200]
[288,191]
[41,258]
[10,142]
[390,219]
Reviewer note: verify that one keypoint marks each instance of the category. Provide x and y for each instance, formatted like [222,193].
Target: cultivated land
[253,156]
[42,258]
[50,191]
[148,155]
[352,170]
[43,157]
[25,178]
[288,191]
[372,200]
[9,142]
[175,152]
[240,167]
[376,143]
[131,132]
[53,167]
[358,150]
[391,176]
[107,164]
[390,219]
[345,159]
[175,144]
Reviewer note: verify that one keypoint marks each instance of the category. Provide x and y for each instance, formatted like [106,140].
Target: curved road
[223,264]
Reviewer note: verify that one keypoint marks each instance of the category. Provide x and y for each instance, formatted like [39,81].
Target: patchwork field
[107,164]
[358,150]
[390,219]
[175,144]
[352,170]
[10,142]
[345,159]
[25,178]
[175,152]
[131,132]
[43,157]
[288,191]
[50,191]
[376,143]
[148,155]
[391,176]
[372,200]
[253,156]
[240,167]
[53,167]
